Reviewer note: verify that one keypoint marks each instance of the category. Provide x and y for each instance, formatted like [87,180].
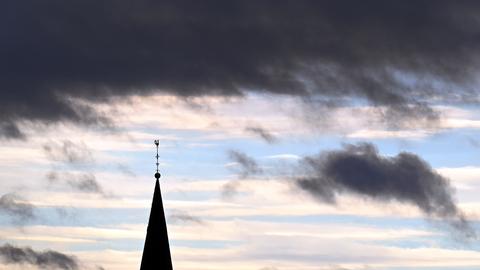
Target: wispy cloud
[179,217]
[42,259]
[69,152]
[84,182]
[17,208]
[247,166]
[261,133]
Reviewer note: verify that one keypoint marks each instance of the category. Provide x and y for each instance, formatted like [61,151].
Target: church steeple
[156,252]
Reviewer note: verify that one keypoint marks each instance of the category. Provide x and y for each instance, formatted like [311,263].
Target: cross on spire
[157,174]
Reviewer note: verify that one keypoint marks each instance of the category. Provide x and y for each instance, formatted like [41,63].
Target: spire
[156,252]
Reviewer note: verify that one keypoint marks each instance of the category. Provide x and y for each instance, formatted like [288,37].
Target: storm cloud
[401,55]
[359,169]
[42,259]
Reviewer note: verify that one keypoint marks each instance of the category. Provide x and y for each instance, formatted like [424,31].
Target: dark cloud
[84,182]
[183,217]
[247,165]
[42,259]
[261,133]
[361,170]
[402,55]
[17,208]
[68,152]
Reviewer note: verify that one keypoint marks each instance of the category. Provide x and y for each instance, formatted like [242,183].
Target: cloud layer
[402,55]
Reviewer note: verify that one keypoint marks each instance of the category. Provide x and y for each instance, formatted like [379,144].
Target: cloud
[72,154]
[84,182]
[125,170]
[10,130]
[229,189]
[247,165]
[17,208]
[361,170]
[183,217]
[68,152]
[261,133]
[58,53]
[43,259]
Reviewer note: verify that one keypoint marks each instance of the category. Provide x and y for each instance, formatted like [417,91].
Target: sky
[294,135]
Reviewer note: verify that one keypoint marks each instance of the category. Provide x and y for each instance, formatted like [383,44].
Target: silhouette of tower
[156,252]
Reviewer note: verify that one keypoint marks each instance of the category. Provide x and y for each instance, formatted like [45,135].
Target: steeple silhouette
[156,252]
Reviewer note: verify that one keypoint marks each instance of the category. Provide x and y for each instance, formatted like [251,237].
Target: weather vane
[157,174]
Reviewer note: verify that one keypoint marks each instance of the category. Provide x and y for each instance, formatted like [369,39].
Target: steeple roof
[156,253]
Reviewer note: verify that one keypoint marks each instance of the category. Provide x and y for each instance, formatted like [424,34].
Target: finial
[157,174]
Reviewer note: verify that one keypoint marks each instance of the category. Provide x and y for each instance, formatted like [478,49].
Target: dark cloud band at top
[398,54]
